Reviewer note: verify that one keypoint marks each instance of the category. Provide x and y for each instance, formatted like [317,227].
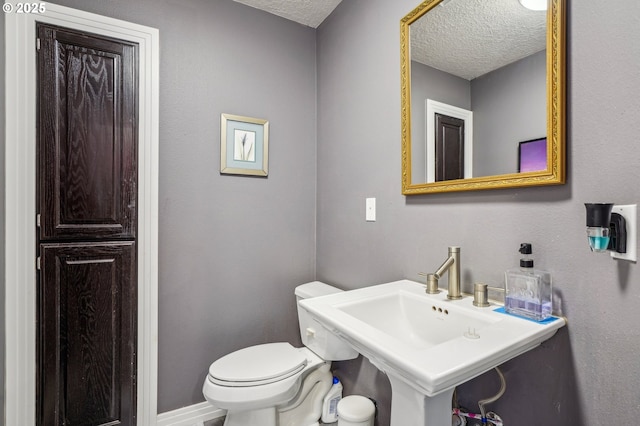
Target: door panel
[87,192]
[449,148]
[88,294]
[88,135]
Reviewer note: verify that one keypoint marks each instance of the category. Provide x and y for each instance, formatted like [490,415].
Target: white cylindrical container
[356,410]
[330,402]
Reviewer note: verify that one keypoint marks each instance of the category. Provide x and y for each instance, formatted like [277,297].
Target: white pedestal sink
[426,344]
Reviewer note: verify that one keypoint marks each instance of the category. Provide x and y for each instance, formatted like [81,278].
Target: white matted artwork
[244,148]
[244,145]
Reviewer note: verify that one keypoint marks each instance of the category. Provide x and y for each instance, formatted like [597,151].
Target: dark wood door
[88,324]
[86,203]
[88,128]
[449,148]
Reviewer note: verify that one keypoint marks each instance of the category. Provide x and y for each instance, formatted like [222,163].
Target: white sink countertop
[430,342]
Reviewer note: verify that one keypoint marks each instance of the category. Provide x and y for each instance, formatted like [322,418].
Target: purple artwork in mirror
[532,155]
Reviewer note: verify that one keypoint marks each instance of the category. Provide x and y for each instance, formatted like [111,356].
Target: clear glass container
[528,293]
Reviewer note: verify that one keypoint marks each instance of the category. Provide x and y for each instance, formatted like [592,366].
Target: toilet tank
[314,336]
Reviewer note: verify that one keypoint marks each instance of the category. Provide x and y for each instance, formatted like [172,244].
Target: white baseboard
[189,416]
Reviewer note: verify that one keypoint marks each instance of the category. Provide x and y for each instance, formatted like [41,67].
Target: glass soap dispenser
[528,290]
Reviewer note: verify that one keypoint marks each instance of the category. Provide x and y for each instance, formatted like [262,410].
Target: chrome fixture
[452,264]
[480,295]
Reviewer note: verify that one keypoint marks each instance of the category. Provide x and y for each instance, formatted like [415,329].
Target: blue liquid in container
[599,243]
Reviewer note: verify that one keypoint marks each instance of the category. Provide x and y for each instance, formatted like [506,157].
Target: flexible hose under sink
[503,388]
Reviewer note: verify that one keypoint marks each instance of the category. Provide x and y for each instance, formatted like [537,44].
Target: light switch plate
[630,214]
[370,210]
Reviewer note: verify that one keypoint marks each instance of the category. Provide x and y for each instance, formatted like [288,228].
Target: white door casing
[20,197]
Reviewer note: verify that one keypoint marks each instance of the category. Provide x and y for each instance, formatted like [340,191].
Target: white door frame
[433,108]
[20,198]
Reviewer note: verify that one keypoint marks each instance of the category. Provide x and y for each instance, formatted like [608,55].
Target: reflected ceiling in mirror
[503,66]
[469,38]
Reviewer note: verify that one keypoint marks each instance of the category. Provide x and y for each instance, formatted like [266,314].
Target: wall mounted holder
[612,228]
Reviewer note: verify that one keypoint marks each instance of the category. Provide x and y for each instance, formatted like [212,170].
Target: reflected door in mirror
[449,147]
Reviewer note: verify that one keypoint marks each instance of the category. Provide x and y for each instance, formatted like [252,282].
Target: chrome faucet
[452,264]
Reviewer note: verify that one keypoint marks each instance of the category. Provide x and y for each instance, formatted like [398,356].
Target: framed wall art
[244,145]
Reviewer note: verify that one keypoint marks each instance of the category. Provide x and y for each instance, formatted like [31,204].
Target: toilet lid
[257,365]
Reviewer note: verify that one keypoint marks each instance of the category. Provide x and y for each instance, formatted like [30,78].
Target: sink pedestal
[409,407]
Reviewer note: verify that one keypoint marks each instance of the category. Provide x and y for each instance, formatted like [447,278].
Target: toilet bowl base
[263,417]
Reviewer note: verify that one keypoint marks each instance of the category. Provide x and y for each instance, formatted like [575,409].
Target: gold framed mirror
[453,152]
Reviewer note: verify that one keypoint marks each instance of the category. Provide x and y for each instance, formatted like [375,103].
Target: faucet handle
[480,297]
[432,283]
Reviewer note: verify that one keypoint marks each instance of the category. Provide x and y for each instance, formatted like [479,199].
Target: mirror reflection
[485,58]
[477,82]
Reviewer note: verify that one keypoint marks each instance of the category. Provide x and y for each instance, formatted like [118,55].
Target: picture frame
[244,145]
[532,155]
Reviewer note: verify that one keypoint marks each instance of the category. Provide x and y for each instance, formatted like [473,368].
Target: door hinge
[38,263]
[38,44]
[38,220]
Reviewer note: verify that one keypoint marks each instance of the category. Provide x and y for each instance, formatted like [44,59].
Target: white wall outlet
[370,210]
[630,214]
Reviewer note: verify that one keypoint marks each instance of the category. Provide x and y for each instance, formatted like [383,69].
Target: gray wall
[588,373]
[509,106]
[430,83]
[232,248]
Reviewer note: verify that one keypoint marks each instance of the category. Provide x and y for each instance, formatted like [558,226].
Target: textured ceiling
[307,12]
[467,38]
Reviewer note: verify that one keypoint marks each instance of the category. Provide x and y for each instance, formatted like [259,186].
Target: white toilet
[276,384]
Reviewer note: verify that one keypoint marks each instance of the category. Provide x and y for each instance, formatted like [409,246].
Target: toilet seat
[250,386]
[258,365]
